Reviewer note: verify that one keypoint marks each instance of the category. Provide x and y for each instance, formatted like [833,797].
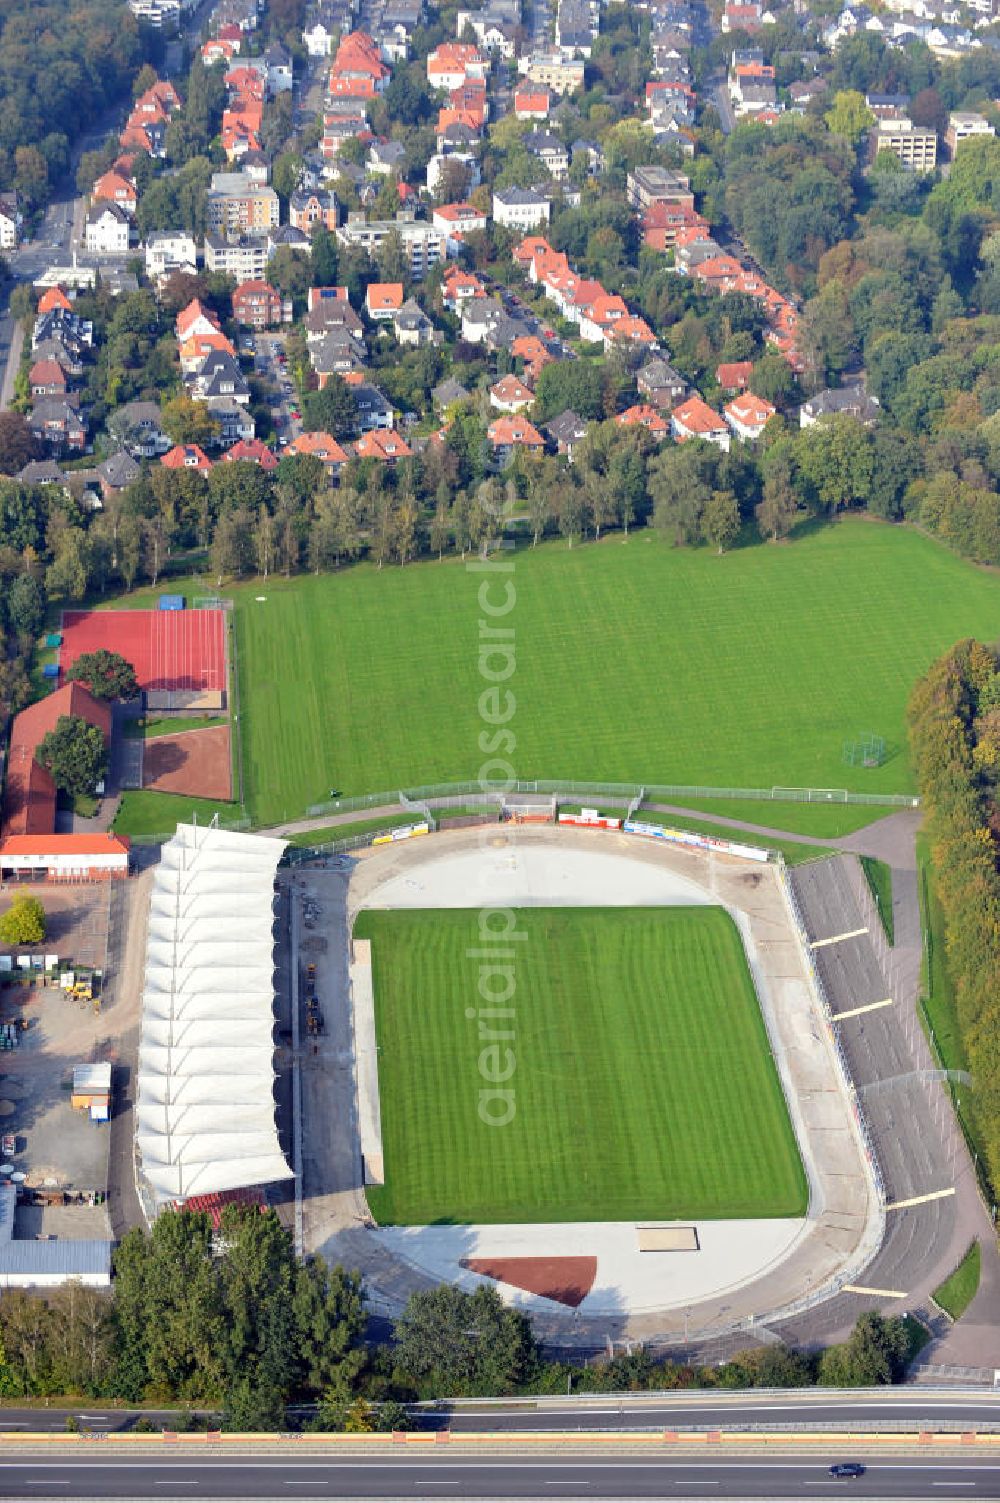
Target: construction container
[171,602]
[92,1089]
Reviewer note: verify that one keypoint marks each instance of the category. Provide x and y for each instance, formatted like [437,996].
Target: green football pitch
[641,1077]
[635,662]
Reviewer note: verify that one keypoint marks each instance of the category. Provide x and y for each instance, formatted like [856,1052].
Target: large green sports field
[636,662]
[642,1077]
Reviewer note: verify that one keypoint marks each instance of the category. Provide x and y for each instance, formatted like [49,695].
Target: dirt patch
[193,762]
[568,1281]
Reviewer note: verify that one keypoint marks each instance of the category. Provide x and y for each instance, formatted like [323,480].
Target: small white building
[10,221]
[318,38]
[521,209]
[168,251]
[107,229]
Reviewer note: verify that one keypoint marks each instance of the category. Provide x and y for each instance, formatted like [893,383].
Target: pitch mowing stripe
[644,1083]
[368,679]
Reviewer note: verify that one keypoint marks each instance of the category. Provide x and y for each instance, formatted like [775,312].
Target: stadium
[590,1065]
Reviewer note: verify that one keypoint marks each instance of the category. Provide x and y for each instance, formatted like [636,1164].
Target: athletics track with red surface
[169,650]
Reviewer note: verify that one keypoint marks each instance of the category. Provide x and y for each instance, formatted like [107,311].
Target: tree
[849,116]
[776,511]
[24,921]
[874,1354]
[66,576]
[680,485]
[75,754]
[834,458]
[18,445]
[323,257]
[928,109]
[574,384]
[26,605]
[332,410]
[107,674]
[457,1343]
[720,521]
[188,422]
[232,550]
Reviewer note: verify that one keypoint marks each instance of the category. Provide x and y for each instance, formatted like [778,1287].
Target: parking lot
[57,1148]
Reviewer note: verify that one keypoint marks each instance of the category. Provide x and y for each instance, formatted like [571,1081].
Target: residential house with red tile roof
[644,416]
[383,300]
[695,419]
[536,356]
[251,451]
[187,457]
[511,394]
[459,219]
[195,318]
[748,415]
[509,433]
[453,63]
[532,102]
[47,378]
[384,444]
[112,187]
[257,305]
[323,446]
[357,71]
[735,376]
[458,286]
[54,297]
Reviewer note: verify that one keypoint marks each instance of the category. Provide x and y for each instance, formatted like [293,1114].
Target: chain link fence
[623,792]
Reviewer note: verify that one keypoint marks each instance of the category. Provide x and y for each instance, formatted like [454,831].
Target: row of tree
[954,719]
[58,73]
[231,1321]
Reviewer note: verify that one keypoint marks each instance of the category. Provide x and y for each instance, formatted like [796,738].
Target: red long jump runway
[171,651]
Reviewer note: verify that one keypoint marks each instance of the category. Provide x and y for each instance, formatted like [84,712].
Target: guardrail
[503,1440]
[649,792]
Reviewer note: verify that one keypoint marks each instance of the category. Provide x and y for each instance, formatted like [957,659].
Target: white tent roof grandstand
[205,1113]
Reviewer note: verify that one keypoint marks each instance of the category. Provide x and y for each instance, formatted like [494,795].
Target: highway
[561,1474]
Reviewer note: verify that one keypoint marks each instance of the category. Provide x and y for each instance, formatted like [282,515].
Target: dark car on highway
[847,1469]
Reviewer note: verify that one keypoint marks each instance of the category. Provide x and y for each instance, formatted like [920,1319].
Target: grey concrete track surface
[916,1141]
[509,1476]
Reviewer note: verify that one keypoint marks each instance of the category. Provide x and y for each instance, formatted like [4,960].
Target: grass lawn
[326,834]
[958,1291]
[144,813]
[827,821]
[166,725]
[879,878]
[644,1085]
[940,1007]
[635,662]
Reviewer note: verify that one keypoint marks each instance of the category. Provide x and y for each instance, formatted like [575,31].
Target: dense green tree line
[954,719]
[231,1323]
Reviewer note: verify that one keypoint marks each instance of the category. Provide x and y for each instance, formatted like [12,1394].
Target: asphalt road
[904,1408]
[563,1475]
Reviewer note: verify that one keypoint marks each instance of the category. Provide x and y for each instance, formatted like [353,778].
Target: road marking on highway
[918,1200]
[854,1012]
[834,939]
[879,1293]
